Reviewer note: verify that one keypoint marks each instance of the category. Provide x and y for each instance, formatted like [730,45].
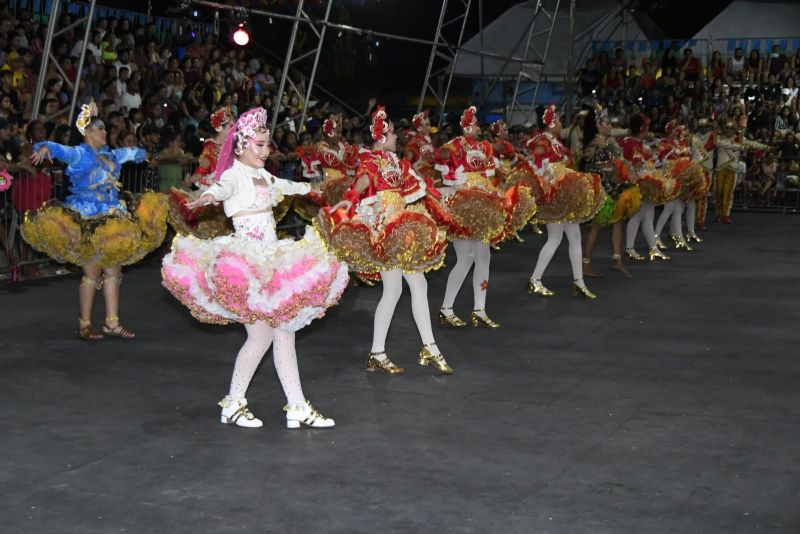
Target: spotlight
[241,36]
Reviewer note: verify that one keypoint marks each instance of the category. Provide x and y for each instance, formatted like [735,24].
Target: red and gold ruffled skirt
[566,196]
[206,222]
[332,189]
[692,177]
[385,234]
[658,187]
[104,241]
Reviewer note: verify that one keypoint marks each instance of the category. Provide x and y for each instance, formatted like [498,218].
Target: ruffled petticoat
[657,186]
[385,233]
[488,214]
[119,238]
[332,189]
[206,222]
[692,178]
[249,277]
[567,196]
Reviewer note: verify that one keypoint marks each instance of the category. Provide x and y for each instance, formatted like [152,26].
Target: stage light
[241,36]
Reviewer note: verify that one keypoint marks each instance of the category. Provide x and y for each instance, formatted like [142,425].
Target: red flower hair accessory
[221,117]
[330,125]
[379,126]
[498,126]
[468,117]
[549,116]
[671,126]
[418,119]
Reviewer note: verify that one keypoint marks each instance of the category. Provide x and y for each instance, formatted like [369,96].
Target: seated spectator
[736,66]
[778,64]
[689,66]
[717,67]
[171,163]
[753,67]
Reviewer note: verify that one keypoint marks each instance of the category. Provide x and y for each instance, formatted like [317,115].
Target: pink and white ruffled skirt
[230,279]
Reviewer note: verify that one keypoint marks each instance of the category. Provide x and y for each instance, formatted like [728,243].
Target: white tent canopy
[506,35]
[753,25]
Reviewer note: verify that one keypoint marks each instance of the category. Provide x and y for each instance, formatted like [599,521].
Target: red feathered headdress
[330,125]
[498,126]
[221,117]
[468,118]
[379,125]
[549,116]
[418,119]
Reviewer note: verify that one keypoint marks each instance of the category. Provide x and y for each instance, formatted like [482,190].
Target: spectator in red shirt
[689,66]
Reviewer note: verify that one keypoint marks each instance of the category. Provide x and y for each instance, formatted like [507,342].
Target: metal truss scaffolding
[446,51]
[542,23]
[48,59]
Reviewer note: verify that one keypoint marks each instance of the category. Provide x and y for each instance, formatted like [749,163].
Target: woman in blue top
[95,228]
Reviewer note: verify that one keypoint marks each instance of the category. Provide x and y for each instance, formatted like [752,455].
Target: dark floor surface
[671,404]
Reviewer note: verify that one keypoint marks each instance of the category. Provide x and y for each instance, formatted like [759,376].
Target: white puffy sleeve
[225,187]
[286,187]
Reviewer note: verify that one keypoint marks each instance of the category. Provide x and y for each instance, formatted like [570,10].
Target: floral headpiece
[468,117]
[379,125]
[600,114]
[250,124]
[418,119]
[498,126]
[221,117]
[549,116]
[671,126]
[331,124]
[85,116]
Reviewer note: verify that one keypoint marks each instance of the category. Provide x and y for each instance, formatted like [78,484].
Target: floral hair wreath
[250,124]
[221,117]
[379,125]
[468,118]
[331,124]
[85,116]
[498,126]
[549,116]
[418,119]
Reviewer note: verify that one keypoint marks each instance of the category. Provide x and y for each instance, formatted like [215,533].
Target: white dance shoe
[236,412]
[307,415]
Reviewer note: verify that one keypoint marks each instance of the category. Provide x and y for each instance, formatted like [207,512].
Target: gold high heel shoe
[385,366]
[537,229]
[683,245]
[691,236]
[660,244]
[576,289]
[451,318]
[482,320]
[437,361]
[518,237]
[538,289]
[656,253]
[632,254]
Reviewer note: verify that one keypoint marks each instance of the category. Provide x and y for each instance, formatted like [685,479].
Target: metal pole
[76,88]
[570,57]
[544,61]
[286,64]
[522,66]
[453,64]
[314,68]
[480,32]
[433,56]
[48,42]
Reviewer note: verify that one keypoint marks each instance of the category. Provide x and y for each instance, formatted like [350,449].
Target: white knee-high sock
[259,337]
[691,213]
[632,229]
[480,275]
[648,214]
[676,223]
[465,256]
[392,289]
[555,232]
[419,306]
[285,358]
[573,231]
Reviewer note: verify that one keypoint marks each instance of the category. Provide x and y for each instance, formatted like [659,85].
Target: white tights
[467,253]
[259,337]
[392,289]
[673,211]
[691,213]
[644,217]
[555,232]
